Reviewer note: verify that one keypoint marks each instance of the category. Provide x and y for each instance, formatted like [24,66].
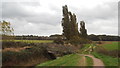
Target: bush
[99,42]
[37,52]
[78,40]
[9,44]
[113,53]
[8,56]
[59,41]
[12,58]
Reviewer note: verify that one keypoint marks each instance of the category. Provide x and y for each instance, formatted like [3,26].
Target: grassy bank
[107,60]
[68,60]
[89,61]
[107,52]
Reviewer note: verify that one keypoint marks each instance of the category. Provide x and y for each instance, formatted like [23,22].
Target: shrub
[9,44]
[41,51]
[24,56]
[78,40]
[8,56]
[114,53]
[59,41]
[99,42]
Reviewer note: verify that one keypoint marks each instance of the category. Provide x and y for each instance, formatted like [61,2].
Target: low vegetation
[30,54]
[68,60]
[89,61]
[107,60]
[25,57]
[22,43]
[111,46]
[108,53]
[110,49]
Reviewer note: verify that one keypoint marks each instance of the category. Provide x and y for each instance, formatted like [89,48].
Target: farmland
[112,46]
[50,54]
[72,59]
[34,41]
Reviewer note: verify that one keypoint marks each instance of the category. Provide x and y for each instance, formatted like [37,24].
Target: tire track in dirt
[82,62]
[97,63]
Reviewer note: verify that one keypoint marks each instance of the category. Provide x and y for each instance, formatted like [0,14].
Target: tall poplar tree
[83,31]
[70,26]
[65,23]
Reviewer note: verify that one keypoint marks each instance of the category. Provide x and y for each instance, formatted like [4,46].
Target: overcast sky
[43,17]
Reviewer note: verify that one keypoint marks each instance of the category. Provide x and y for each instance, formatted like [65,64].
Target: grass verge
[68,60]
[89,61]
[107,60]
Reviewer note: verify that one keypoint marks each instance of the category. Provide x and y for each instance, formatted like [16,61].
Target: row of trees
[31,37]
[70,28]
[103,37]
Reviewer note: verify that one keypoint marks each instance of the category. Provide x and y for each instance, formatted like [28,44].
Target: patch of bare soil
[105,42]
[15,49]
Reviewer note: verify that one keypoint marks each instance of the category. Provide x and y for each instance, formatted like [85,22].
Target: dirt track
[96,62]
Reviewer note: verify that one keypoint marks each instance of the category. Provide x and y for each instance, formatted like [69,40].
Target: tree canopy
[70,27]
[6,28]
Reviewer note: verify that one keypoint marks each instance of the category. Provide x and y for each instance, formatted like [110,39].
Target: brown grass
[18,49]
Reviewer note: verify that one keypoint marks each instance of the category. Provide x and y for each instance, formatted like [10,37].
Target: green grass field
[34,41]
[68,60]
[112,46]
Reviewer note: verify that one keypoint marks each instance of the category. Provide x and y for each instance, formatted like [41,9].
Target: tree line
[103,37]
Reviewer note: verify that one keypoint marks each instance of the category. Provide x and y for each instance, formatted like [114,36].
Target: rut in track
[96,62]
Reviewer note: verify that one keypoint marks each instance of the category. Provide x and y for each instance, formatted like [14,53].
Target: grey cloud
[30,3]
[15,9]
[20,0]
[119,18]
[100,19]
[106,11]
[45,18]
